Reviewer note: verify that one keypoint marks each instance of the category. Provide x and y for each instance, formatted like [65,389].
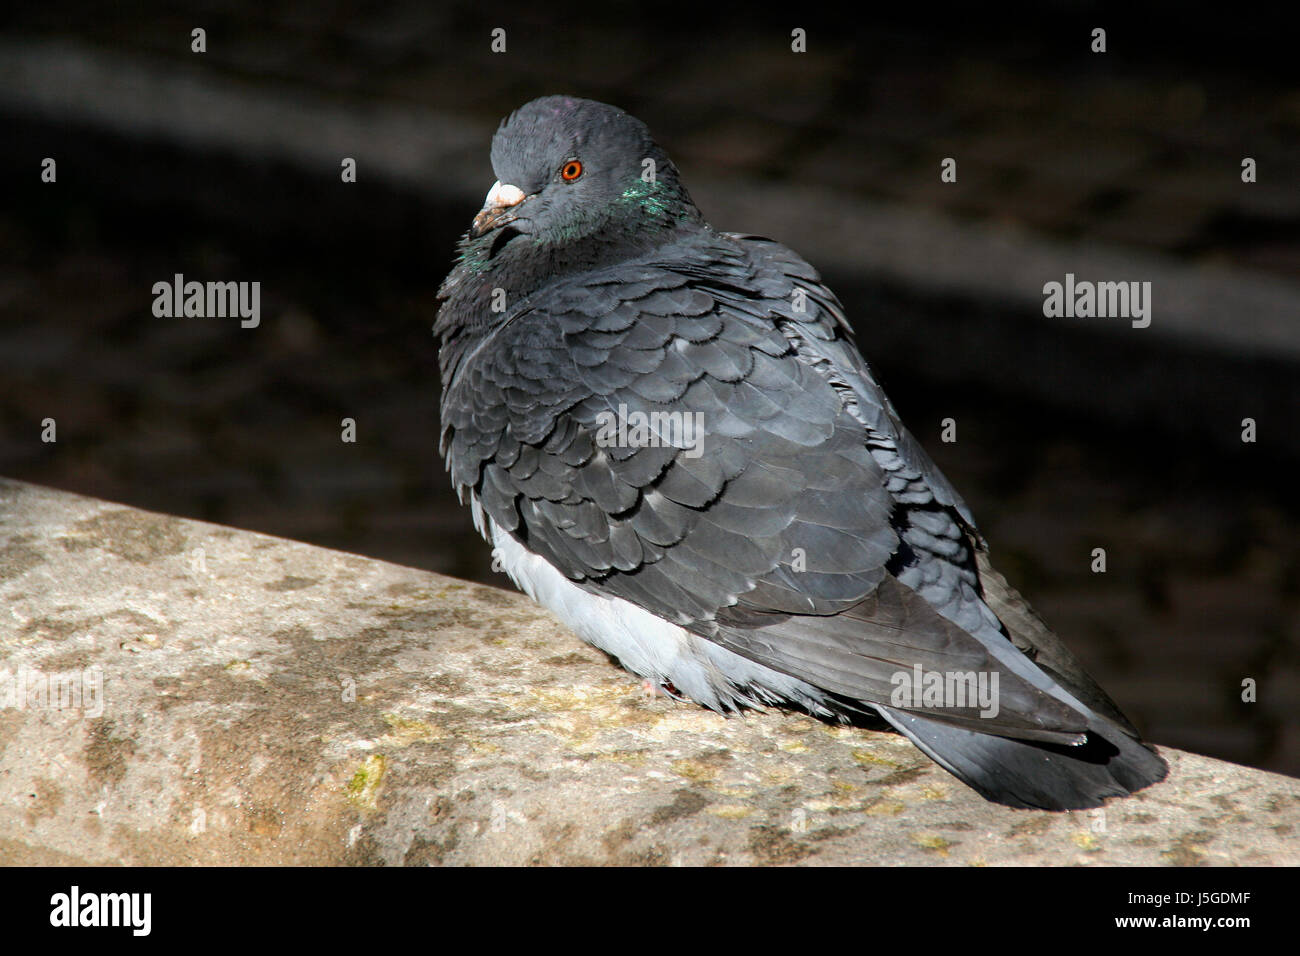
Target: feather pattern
[675,443]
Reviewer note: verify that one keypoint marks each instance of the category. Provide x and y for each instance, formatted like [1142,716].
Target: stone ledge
[270,702]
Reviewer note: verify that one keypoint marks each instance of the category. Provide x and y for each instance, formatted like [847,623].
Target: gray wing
[811,535]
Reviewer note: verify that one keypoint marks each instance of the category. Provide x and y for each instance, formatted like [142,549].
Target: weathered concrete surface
[265,701]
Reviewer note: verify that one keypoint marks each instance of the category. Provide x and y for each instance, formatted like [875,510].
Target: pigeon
[671,440]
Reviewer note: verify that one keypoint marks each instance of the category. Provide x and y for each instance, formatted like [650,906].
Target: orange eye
[571,170]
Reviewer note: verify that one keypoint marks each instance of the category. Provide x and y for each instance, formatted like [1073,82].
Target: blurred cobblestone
[1120,152]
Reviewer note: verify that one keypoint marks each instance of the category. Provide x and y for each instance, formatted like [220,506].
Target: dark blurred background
[1071,435]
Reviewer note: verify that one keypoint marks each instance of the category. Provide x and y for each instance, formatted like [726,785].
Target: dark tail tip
[1037,776]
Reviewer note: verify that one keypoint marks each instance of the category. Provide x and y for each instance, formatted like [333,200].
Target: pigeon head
[570,169]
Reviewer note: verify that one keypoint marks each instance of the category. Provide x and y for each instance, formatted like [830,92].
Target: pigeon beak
[501,198]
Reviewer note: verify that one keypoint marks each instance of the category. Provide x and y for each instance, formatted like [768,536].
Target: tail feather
[1038,776]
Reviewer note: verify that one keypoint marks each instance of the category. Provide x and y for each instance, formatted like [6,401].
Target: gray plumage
[808,551]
